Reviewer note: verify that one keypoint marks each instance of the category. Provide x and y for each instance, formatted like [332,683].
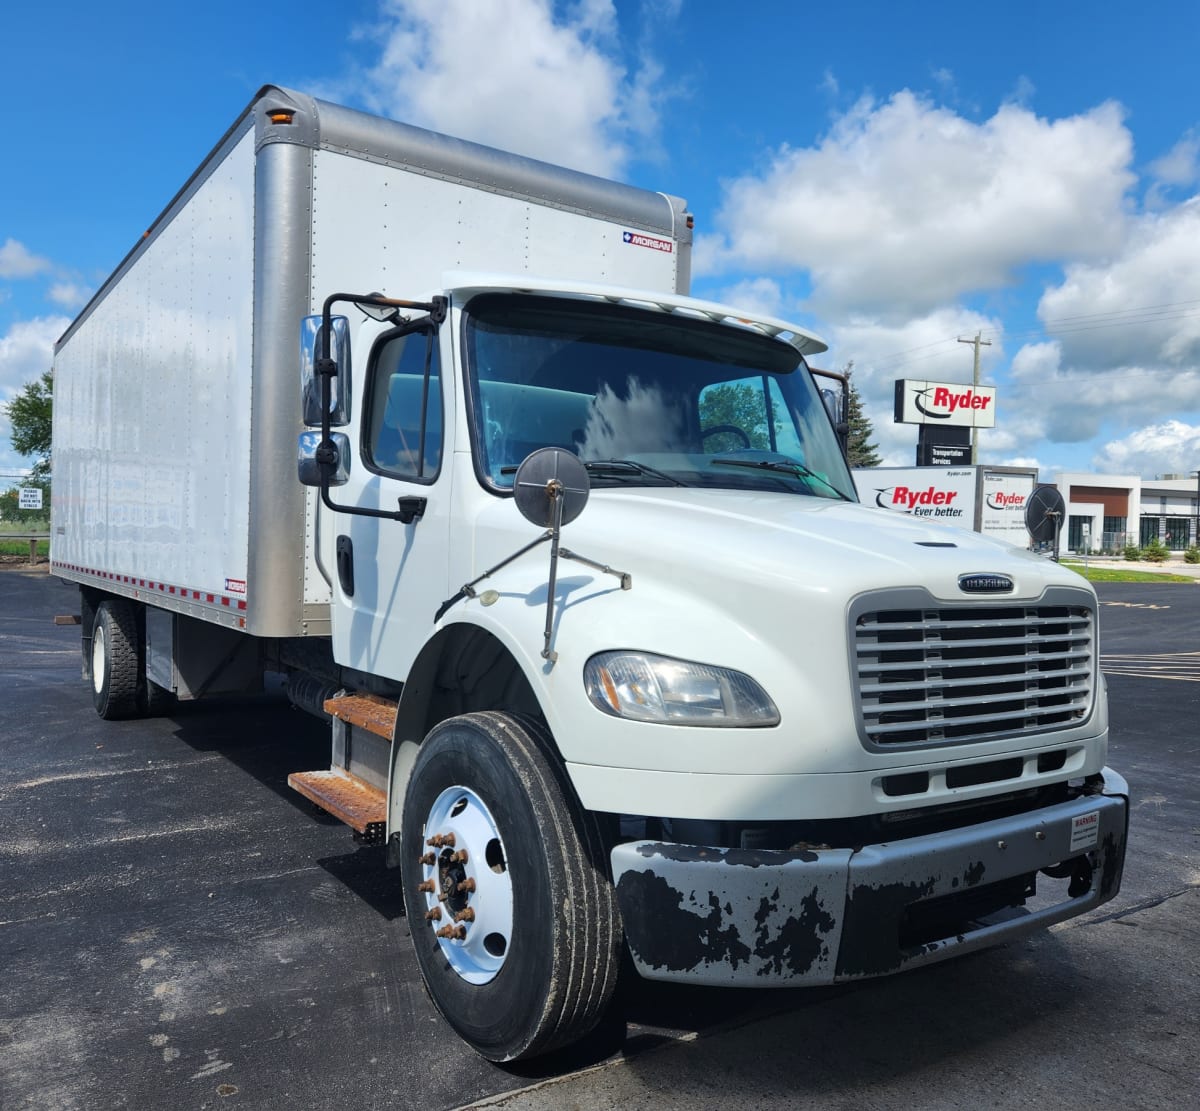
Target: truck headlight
[646,687]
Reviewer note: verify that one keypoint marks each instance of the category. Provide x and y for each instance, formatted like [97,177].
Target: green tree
[30,415]
[860,450]
[735,405]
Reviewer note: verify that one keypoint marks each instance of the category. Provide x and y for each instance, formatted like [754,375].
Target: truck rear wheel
[116,662]
[511,911]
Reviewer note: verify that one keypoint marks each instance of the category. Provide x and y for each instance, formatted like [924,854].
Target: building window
[1177,533]
[1149,530]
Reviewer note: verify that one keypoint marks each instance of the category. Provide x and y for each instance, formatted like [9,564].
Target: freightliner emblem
[985,583]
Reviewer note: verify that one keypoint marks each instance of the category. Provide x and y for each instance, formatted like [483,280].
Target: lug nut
[459,857]
[429,859]
[467,886]
[457,933]
[433,915]
[427,885]
[467,915]
[438,840]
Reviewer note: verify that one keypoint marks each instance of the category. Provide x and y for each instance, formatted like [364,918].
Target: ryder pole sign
[945,403]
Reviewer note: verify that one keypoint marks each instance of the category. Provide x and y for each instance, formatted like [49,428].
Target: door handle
[345,565]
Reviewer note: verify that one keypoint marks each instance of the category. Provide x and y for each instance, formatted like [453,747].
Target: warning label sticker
[636,239]
[235,586]
[1085,831]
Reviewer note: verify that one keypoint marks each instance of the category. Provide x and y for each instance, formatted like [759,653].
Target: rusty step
[368,711]
[345,796]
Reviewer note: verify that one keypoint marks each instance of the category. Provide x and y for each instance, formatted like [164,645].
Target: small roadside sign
[29,497]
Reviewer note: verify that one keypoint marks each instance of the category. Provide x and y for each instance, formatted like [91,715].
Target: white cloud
[1073,404]
[1181,164]
[519,75]
[1171,447]
[1142,308]
[26,352]
[924,347]
[69,294]
[17,262]
[1022,93]
[904,205]
[762,295]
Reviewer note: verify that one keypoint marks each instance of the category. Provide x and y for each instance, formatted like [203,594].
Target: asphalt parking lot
[179,929]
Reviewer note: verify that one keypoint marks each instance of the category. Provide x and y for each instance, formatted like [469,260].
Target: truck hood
[786,539]
[760,582]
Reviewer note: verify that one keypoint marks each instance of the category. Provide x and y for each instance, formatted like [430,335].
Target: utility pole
[978,342]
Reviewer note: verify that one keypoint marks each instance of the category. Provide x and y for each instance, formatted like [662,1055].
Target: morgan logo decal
[235,586]
[636,239]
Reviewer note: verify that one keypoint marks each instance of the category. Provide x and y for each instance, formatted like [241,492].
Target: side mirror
[310,385]
[308,469]
[832,401]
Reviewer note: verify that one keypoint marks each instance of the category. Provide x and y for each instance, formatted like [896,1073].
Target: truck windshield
[645,398]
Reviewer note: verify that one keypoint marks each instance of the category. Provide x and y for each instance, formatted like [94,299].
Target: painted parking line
[1181,666]
[1136,605]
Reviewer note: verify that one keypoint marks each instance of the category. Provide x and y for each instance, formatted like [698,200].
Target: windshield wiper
[617,467]
[799,470]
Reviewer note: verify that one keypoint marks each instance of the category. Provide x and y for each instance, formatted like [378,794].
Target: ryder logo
[941,402]
[929,502]
[1000,500]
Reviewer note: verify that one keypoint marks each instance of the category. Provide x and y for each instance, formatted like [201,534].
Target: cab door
[391,575]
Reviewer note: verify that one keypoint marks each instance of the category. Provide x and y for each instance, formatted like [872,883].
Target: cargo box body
[176,390]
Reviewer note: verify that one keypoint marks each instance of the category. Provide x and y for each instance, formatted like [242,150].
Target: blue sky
[896,176]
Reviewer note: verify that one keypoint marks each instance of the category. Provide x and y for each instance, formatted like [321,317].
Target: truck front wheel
[116,663]
[509,904]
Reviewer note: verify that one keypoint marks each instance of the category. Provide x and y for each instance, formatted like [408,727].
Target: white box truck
[744,728]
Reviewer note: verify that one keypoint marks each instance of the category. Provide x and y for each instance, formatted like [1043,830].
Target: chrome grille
[959,674]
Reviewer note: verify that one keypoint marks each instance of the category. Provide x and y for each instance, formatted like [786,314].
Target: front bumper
[773,918]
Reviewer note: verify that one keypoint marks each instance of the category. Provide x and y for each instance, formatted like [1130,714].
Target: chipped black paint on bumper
[772,919]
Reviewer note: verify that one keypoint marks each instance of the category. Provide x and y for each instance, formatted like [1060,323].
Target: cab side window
[404,436]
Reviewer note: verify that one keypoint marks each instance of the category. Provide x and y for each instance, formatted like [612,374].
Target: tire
[540,958]
[116,661]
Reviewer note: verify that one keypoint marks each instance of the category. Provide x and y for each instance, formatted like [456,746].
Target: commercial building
[1106,512]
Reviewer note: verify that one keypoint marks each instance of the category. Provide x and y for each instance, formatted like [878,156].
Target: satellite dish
[548,476]
[1044,514]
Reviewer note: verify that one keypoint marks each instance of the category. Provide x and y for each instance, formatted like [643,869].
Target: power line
[1085,322]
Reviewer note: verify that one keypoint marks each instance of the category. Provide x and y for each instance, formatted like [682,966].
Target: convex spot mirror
[308,470]
[310,385]
[547,476]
